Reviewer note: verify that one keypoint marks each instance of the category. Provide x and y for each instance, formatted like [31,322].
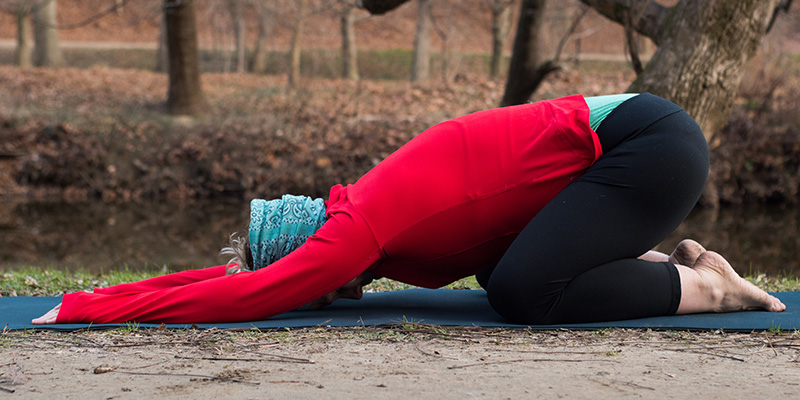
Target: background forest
[101,178]
[94,125]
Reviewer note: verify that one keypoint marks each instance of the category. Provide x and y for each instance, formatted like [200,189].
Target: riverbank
[78,134]
[145,235]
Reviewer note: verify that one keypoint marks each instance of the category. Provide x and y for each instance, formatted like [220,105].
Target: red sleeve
[342,249]
[166,281]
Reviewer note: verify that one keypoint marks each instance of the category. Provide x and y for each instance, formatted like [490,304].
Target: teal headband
[278,227]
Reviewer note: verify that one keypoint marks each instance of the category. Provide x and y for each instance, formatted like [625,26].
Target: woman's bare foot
[686,253]
[712,285]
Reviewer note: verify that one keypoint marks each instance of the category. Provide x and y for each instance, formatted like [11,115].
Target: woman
[553,205]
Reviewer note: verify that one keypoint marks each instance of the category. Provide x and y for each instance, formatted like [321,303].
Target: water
[753,239]
[101,237]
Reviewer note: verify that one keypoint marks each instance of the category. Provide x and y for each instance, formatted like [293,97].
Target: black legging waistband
[633,117]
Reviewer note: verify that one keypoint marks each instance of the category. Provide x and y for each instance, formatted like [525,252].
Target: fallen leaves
[101,133]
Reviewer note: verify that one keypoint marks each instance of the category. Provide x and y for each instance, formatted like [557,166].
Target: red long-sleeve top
[442,207]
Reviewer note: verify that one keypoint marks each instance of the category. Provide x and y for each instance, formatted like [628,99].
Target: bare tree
[47,52]
[22,54]
[43,15]
[265,26]
[630,19]
[21,10]
[529,67]
[220,30]
[162,53]
[421,63]
[501,25]
[236,8]
[349,51]
[702,50]
[185,96]
[294,69]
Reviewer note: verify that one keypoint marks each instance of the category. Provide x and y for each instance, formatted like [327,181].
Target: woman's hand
[49,318]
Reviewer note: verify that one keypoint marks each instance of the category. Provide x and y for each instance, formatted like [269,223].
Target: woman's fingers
[49,318]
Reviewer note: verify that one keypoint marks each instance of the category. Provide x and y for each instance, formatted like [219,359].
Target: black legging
[576,260]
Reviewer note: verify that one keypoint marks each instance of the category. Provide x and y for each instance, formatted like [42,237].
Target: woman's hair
[239,249]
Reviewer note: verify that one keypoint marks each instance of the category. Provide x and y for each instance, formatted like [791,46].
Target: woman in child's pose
[554,205]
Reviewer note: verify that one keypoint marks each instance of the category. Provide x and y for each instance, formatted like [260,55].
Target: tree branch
[380,6]
[782,6]
[652,17]
[567,36]
[632,17]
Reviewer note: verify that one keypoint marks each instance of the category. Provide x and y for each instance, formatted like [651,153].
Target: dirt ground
[415,361]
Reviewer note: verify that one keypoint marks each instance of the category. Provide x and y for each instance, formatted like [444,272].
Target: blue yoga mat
[428,306]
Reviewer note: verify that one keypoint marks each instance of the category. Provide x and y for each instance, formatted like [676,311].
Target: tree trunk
[527,70]
[294,69]
[700,63]
[162,54]
[22,54]
[349,51]
[259,62]
[47,52]
[239,34]
[421,64]
[501,23]
[702,50]
[185,95]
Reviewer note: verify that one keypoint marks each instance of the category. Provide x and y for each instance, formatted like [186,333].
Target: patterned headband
[278,227]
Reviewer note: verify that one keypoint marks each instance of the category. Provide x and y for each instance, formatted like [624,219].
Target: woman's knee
[518,304]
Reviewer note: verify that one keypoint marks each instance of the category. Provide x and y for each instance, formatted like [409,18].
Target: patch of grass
[129,327]
[794,61]
[466,283]
[391,64]
[113,58]
[373,64]
[33,281]
[388,285]
[360,335]
[285,335]
[774,329]
[680,335]
[603,332]
[780,283]
[43,282]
